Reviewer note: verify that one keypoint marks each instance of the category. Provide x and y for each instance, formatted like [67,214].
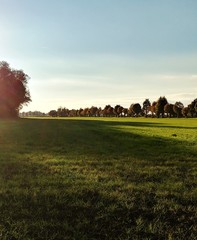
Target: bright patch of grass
[104,178]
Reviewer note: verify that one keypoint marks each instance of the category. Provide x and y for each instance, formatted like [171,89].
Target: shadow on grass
[104,140]
[99,143]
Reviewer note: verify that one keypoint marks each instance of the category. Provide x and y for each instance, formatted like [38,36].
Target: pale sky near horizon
[80,53]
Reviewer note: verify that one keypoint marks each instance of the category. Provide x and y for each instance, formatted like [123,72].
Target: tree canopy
[13,90]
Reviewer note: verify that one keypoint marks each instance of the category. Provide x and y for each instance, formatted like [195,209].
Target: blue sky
[80,53]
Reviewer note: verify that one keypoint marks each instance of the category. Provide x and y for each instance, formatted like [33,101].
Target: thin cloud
[178,77]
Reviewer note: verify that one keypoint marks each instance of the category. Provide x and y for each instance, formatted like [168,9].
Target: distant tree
[152,108]
[73,113]
[99,112]
[159,107]
[118,110]
[13,90]
[178,106]
[185,111]
[65,112]
[146,107]
[135,109]
[168,109]
[93,111]
[80,112]
[85,112]
[53,113]
[59,112]
[193,108]
[125,112]
[62,112]
[108,111]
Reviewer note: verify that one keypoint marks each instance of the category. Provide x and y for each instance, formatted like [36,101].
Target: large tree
[13,90]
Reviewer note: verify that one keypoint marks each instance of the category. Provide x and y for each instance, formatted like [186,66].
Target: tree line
[14,94]
[160,108]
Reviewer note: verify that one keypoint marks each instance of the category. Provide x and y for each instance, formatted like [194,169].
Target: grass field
[104,178]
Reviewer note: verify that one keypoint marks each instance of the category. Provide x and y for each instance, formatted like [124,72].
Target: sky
[83,53]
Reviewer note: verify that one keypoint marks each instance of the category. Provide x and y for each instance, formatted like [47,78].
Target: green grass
[104,178]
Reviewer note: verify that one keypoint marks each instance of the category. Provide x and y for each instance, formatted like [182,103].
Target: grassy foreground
[98,179]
